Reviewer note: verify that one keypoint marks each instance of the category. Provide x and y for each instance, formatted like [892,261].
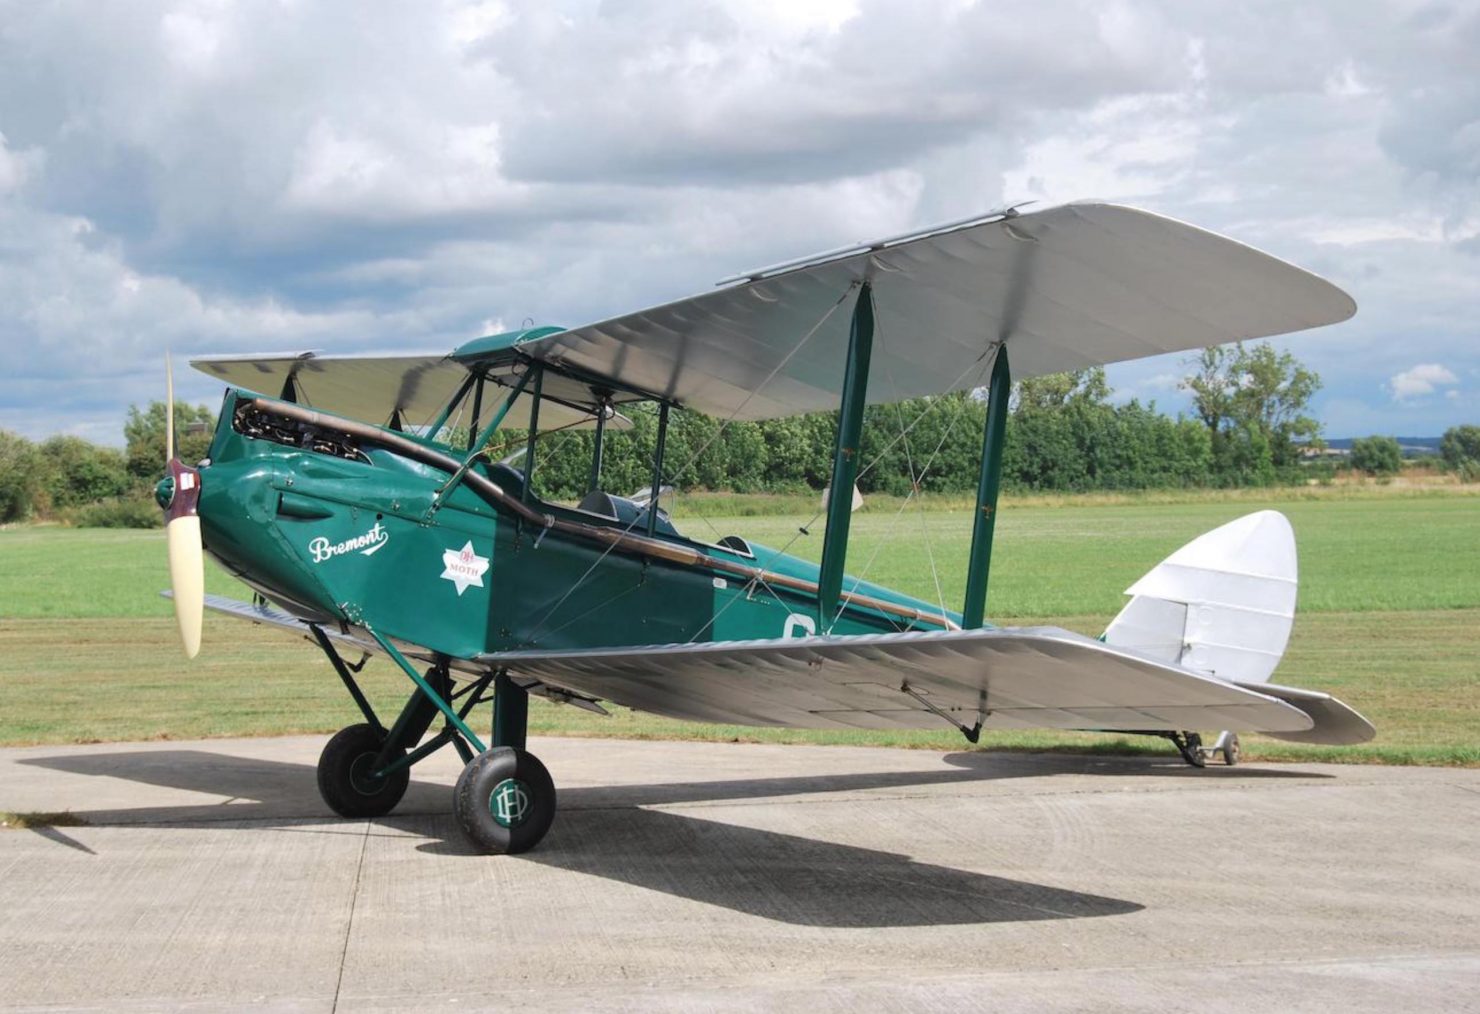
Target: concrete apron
[680,875]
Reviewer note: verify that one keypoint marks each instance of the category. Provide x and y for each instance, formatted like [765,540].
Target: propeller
[179,494]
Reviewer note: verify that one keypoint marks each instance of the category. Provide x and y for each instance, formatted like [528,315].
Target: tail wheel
[504,801]
[347,774]
[1231,751]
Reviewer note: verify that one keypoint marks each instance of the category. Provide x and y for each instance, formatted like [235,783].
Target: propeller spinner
[179,494]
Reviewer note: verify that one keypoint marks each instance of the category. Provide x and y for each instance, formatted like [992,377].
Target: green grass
[1357,553]
[1412,672]
[11,820]
[1390,600]
[77,573]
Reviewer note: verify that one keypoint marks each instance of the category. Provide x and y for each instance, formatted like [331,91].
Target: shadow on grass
[45,824]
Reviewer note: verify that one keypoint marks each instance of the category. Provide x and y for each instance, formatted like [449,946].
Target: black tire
[504,801]
[1231,751]
[344,770]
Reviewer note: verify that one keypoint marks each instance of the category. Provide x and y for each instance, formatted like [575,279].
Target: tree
[144,434]
[746,455]
[1460,448]
[789,452]
[1081,388]
[74,472]
[18,477]
[934,442]
[1253,401]
[1377,455]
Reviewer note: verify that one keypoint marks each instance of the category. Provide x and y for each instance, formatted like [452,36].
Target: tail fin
[1223,604]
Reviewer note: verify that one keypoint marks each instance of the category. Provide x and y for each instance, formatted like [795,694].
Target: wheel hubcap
[362,776]
[510,803]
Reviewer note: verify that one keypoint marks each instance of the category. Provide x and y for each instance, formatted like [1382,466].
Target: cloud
[225,176]
[1421,381]
[16,167]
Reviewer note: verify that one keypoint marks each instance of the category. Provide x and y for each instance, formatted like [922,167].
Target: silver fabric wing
[368,388]
[1013,678]
[1024,678]
[371,387]
[1067,288]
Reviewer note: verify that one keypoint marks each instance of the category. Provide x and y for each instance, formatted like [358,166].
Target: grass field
[1390,602]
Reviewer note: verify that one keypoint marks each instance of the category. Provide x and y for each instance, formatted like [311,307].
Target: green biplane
[339,498]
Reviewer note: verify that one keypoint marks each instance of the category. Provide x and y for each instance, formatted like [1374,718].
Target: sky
[209,177]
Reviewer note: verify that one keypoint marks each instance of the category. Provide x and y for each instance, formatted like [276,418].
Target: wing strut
[986,493]
[973,733]
[845,457]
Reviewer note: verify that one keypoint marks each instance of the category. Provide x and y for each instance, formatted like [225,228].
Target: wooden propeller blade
[169,410]
[187,578]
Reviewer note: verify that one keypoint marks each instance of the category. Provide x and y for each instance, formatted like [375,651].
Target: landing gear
[504,801]
[1228,744]
[349,778]
[1190,746]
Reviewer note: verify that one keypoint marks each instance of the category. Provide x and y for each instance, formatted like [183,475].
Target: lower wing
[1001,678]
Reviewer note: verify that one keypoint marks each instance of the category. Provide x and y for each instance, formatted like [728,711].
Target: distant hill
[1413,447]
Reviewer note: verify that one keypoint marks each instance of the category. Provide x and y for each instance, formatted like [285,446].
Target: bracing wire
[539,627]
[915,486]
[915,482]
[977,365]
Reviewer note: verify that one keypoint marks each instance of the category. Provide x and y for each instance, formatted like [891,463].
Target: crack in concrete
[349,924]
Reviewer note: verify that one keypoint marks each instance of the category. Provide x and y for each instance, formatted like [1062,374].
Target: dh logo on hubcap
[509,803]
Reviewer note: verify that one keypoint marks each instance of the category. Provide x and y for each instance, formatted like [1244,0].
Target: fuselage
[361,527]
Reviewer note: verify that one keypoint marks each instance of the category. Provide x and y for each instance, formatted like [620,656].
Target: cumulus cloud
[14,167]
[220,176]
[1421,381]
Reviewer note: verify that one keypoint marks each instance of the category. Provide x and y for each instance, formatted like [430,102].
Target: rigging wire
[803,530]
[915,480]
[539,627]
[976,365]
[914,488]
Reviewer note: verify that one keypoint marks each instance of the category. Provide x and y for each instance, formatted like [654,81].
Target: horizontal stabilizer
[1336,723]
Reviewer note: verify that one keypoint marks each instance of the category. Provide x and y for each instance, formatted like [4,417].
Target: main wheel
[346,774]
[504,801]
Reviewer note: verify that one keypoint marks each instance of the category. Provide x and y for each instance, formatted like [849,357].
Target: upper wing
[371,387]
[1032,677]
[1067,288]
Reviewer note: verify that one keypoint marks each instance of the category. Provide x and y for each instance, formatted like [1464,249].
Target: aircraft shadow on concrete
[604,831]
[785,877]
